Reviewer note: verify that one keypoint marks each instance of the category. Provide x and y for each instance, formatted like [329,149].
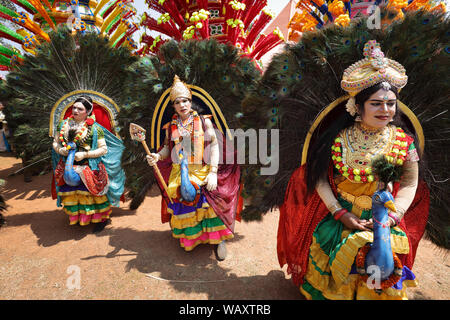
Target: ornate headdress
[373,69]
[179,89]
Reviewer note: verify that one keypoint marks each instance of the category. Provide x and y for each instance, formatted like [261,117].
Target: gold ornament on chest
[361,145]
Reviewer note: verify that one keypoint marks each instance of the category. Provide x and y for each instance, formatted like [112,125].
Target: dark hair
[87,103]
[319,153]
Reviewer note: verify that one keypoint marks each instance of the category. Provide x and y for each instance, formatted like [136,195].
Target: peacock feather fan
[67,63]
[386,171]
[305,78]
[216,68]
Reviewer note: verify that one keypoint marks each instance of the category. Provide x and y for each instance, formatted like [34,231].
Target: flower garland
[87,125]
[389,282]
[396,156]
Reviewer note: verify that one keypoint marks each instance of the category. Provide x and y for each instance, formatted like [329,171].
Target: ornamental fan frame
[65,102]
[198,92]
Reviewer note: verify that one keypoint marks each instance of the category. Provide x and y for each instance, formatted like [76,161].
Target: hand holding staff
[137,133]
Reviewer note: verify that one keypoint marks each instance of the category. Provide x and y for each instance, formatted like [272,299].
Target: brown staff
[138,133]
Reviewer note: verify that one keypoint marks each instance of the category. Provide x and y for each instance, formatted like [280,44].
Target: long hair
[319,154]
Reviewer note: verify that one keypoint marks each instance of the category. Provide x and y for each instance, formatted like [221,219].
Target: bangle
[337,215]
[335,207]
[394,217]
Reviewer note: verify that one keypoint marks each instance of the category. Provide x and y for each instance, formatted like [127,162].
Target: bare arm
[59,149]
[408,188]
[351,221]
[214,146]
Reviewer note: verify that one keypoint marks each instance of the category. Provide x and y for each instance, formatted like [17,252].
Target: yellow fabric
[344,259]
[198,234]
[75,192]
[324,283]
[357,189]
[197,174]
[365,293]
[193,219]
[82,198]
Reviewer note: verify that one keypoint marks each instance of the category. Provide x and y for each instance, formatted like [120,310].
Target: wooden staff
[137,133]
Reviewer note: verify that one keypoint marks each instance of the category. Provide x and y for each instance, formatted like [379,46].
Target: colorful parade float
[239,23]
[315,14]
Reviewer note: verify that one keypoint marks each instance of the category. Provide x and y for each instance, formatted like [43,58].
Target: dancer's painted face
[379,109]
[182,107]
[79,112]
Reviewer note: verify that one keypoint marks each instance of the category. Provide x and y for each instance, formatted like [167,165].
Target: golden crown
[179,89]
[373,69]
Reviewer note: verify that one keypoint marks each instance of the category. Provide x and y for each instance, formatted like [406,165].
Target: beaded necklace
[87,125]
[187,128]
[392,143]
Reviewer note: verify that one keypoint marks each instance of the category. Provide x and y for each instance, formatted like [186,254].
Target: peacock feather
[216,68]
[65,64]
[305,78]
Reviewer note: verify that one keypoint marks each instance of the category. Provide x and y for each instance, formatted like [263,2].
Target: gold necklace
[361,145]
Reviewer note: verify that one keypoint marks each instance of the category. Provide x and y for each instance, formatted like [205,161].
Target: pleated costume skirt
[83,207]
[331,267]
[198,224]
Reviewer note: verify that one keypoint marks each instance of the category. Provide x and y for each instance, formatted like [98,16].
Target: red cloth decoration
[95,180]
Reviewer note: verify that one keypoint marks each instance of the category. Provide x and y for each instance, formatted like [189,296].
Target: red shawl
[301,212]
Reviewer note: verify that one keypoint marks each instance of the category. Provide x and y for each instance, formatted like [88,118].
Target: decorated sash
[195,154]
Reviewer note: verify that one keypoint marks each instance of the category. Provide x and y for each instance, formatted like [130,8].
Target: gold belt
[361,202]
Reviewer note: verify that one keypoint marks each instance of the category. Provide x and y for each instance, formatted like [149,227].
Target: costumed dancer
[209,218]
[330,199]
[87,169]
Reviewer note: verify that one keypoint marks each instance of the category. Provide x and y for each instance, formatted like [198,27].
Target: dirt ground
[135,257]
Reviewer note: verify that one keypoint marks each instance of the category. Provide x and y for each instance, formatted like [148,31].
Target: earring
[358,118]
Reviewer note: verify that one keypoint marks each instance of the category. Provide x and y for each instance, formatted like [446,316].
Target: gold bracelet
[335,207]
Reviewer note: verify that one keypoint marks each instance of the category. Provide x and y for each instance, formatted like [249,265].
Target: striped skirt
[82,207]
[198,224]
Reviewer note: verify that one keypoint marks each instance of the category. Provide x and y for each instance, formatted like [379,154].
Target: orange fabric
[240,204]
